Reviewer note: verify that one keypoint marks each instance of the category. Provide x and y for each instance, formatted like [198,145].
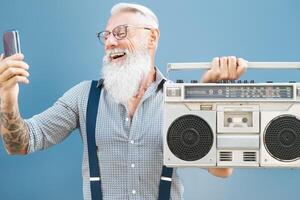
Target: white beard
[122,79]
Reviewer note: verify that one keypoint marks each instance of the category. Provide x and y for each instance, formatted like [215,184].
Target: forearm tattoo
[14,131]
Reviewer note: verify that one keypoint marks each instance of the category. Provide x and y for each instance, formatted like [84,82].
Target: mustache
[141,51]
[110,51]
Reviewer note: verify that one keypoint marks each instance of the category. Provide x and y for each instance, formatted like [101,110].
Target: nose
[111,42]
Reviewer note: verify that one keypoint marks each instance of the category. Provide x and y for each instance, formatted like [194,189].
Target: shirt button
[132,165]
[127,119]
[133,191]
[131,141]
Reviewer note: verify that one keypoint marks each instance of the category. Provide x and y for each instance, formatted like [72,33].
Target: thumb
[1,56]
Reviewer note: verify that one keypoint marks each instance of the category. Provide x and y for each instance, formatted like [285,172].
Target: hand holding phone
[13,69]
[11,43]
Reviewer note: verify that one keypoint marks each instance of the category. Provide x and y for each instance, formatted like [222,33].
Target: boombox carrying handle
[251,65]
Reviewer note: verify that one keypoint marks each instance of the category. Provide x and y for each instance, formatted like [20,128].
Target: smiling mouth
[116,56]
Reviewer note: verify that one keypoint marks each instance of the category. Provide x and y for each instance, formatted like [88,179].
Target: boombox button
[173,92]
[298,91]
[206,107]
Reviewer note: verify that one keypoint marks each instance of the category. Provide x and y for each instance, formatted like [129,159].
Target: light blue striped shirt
[130,151]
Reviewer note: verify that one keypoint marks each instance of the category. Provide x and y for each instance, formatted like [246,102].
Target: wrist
[8,105]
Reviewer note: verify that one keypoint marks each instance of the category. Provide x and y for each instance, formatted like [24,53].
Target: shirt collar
[159,80]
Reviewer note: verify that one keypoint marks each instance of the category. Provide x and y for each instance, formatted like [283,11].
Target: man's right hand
[13,129]
[13,70]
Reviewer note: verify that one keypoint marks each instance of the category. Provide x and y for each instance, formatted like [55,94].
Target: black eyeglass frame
[103,35]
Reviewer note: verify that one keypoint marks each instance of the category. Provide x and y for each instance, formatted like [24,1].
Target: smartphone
[11,43]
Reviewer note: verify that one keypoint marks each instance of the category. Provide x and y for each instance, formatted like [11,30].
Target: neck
[146,82]
[133,102]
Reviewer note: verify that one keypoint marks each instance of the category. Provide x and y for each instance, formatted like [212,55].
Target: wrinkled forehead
[122,18]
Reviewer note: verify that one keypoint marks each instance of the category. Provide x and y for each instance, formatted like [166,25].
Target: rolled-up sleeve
[54,124]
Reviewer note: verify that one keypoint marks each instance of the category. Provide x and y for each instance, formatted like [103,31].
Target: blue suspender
[91,116]
[95,181]
[165,183]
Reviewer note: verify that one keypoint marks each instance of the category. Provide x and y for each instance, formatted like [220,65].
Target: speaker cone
[282,138]
[190,138]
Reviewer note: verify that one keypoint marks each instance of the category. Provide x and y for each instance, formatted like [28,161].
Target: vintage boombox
[232,124]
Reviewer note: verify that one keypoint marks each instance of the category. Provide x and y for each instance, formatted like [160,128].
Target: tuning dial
[229,119]
[232,81]
[194,81]
[179,81]
[245,81]
[252,81]
[239,81]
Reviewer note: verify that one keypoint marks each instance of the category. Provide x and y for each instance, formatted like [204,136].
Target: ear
[153,39]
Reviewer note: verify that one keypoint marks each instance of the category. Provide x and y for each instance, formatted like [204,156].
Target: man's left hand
[221,172]
[225,68]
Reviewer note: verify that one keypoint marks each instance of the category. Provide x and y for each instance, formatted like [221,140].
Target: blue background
[59,42]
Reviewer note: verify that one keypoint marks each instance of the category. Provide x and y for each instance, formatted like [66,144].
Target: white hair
[149,18]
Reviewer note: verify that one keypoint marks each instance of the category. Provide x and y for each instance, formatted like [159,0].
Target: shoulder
[80,89]
[81,86]
[168,81]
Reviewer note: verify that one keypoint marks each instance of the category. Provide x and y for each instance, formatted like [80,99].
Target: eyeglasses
[119,32]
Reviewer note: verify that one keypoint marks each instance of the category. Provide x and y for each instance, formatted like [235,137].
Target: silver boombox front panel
[232,124]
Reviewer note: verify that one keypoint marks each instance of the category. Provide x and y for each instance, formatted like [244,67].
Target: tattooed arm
[12,127]
[14,130]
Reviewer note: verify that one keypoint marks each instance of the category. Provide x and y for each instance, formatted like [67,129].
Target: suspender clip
[94,178]
[166,179]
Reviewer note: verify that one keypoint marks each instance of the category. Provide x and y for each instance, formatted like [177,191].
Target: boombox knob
[224,81]
[245,81]
[245,119]
[269,81]
[292,81]
[239,81]
[179,81]
[252,81]
[194,81]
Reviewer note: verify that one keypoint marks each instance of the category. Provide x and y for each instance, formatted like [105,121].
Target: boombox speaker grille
[282,138]
[190,138]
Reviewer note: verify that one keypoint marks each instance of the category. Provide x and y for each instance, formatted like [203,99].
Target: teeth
[116,54]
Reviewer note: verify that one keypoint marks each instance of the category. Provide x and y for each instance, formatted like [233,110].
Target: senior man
[128,117]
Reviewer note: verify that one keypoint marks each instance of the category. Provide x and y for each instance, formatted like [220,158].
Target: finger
[232,67]
[242,66]
[1,56]
[216,63]
[10,72]
[17,56]
[16,79]
[5,64]
[224,67]
[213,74]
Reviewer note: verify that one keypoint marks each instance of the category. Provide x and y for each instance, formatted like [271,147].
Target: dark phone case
[11,43]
